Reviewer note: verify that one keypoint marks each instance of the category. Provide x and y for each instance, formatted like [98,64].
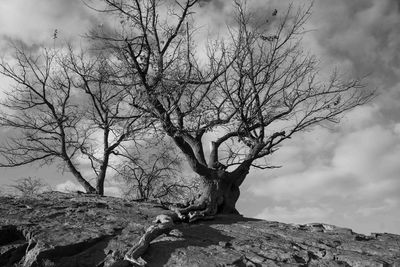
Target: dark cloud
[362,37]
[363,33]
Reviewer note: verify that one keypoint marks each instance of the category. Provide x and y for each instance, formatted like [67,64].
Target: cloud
[298,215]
[69,186]
[387,206]
[362,34]
[113,191]
[35,21]
[347,174]
[350,172]
[363,154]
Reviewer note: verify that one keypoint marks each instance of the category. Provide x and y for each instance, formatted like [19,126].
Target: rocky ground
[57,229]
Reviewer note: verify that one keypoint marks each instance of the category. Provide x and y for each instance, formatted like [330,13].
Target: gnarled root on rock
[164,224]
[195,212]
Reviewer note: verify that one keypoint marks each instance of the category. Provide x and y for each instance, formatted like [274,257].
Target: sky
[346,174]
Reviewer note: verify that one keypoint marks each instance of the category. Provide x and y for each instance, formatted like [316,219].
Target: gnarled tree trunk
[219,192]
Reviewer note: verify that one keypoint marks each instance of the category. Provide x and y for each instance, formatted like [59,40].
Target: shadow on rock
[189,245]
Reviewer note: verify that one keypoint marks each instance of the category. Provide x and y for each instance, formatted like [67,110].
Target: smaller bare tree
[64,107]
[29,186]
[153,172]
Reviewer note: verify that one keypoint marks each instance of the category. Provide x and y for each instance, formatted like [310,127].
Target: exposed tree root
[196,211]
[164,224]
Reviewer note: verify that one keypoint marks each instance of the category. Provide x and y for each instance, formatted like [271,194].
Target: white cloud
[68,186]
[396,128]
[361,117]
[387,206]
[113,191]
[365,161]
[357,179]
[295,215]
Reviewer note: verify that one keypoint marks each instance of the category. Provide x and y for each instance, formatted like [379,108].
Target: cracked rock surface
[58,229]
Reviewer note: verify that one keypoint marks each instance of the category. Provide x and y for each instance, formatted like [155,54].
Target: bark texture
[218,194]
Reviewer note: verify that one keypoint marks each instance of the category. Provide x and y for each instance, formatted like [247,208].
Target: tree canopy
[249,90]
[227,105]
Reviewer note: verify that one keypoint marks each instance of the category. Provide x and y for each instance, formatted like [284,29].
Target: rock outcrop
[57,229]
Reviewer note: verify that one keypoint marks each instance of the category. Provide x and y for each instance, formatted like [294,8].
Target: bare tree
[107,113]
[29,186]
[250,92]
[59,104]
[153,172]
